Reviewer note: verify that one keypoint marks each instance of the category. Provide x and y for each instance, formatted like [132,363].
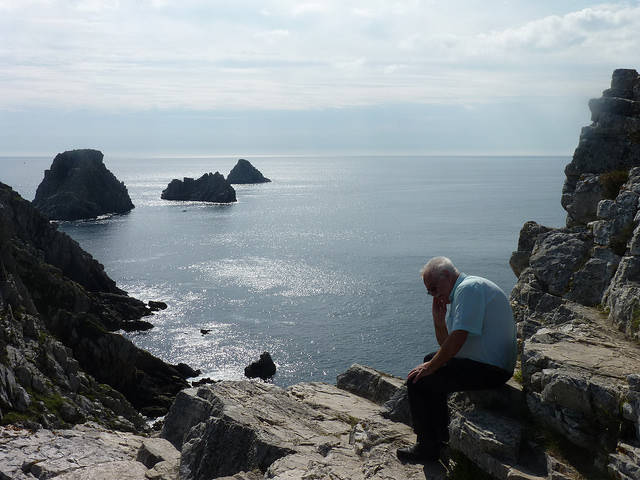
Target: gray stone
[310,429]
[397,407]
[589,283]
[555,259]
[489,440]
[368,383]
[85,452]
[164,471]
[582,204]
[156,450]
[529,234]
[624,464]
[607,209]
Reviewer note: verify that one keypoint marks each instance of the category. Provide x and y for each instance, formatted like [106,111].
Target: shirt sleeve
[468,309]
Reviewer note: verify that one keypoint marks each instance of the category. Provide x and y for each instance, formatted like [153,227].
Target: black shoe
[418,453]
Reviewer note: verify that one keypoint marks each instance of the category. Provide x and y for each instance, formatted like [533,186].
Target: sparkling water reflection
[319,267]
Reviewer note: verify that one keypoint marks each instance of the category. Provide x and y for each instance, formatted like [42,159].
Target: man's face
[438,285]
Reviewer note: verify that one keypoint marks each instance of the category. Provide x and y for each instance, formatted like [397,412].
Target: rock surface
[86,452]
[210,187]
[244,172]
[577,298]
[59,362]
[78,185]
[310,430]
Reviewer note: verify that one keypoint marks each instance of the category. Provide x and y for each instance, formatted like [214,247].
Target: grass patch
[635,318]
[612,181]
[517,376]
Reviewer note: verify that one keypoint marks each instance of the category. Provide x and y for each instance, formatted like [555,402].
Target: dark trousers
[428,396]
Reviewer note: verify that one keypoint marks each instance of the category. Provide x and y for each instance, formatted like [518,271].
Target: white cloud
[287,54]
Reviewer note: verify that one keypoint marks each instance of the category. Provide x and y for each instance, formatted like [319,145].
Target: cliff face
[78,185]
[577,299]
[57,308]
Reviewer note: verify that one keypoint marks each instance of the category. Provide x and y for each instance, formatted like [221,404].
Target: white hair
[438,266]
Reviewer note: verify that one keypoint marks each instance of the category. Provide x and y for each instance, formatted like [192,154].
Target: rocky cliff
[59,362]
[210,187]
[244,172]
[78,185]
[577,299]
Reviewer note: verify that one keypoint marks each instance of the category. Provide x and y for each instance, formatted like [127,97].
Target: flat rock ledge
[246,430]
[86,452]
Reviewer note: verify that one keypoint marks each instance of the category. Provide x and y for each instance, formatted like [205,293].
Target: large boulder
[244,172]
[78,185]
[210,187]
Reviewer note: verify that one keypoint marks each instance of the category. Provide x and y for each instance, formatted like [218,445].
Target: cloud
[576,28]
[197,54]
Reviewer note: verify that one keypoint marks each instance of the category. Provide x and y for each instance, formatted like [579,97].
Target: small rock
[264,368]
[155,306]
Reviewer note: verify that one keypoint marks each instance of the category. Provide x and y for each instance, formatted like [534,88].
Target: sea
[321,266]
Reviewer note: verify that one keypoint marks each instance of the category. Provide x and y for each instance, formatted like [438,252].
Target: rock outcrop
[85,452]
[210,187]
[244,172]
[78,185]
[59,362]
[309,430]
[263,368]
[577,299]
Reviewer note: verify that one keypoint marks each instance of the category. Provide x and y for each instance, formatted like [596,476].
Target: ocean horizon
[319,267]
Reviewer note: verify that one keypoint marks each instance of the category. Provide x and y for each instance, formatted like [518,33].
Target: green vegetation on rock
[612,181]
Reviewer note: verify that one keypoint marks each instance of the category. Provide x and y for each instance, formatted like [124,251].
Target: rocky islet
[210,187]
[243,173]
[78,186]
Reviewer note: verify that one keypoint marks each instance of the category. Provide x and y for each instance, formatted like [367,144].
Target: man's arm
[439,310]
[448,349]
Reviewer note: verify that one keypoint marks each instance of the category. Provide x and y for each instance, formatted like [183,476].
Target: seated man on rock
[477,341]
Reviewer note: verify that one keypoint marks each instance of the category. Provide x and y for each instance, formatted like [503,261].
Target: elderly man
[477,341]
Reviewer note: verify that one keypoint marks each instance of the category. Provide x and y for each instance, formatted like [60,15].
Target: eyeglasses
[432,290]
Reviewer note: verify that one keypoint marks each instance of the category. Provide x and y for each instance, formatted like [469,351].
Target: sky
[255,77]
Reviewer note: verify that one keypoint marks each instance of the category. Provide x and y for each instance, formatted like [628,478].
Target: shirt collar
[461,277]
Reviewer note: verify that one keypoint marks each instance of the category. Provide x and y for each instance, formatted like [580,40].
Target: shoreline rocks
[78,186]
[60,363]
[210,187]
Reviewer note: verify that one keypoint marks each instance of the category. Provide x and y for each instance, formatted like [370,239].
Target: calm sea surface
[319,267]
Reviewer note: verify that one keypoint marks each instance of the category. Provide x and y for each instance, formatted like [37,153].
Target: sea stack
[244,172]
[210,187]
[78,185]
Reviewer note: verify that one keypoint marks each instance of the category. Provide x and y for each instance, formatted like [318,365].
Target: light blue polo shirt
[481,308]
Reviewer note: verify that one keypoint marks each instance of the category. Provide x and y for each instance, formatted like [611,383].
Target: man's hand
[439,310]
[420,371]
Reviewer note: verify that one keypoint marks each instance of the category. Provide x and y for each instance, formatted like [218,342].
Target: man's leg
[428,398]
